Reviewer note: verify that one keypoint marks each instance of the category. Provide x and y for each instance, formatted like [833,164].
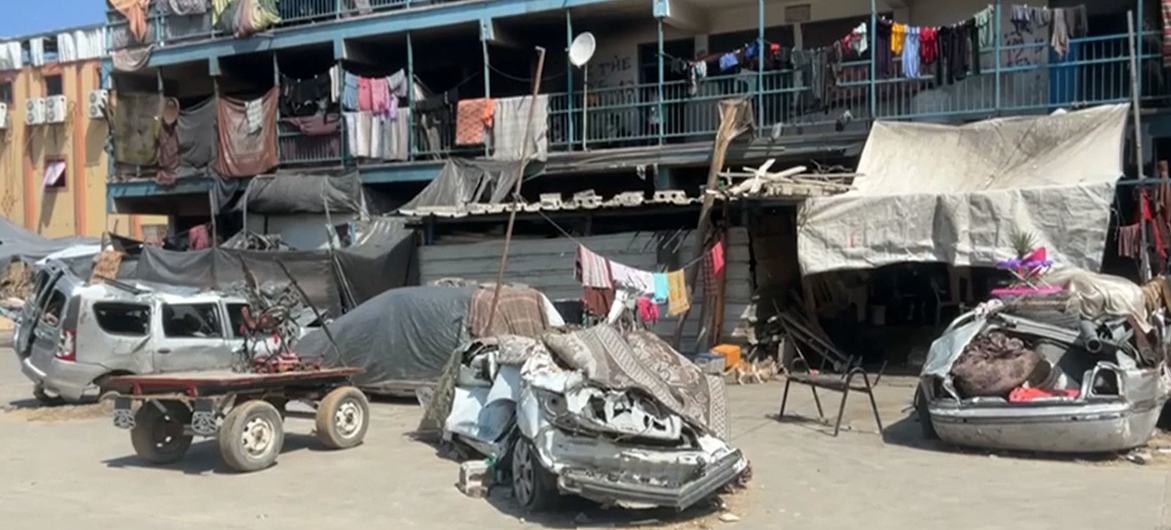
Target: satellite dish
[582,49]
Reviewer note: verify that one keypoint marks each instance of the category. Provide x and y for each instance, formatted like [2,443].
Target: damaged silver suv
[618,419]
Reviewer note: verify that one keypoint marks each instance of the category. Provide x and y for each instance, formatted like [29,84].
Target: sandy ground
[69,467]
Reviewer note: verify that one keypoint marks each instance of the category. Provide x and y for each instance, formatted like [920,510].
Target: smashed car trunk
[1076,372]
[621,420]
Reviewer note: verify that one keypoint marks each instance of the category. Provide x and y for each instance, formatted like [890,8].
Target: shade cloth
[243,153]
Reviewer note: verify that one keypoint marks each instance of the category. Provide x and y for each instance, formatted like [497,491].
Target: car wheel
[251,436]
[45,398]
[158,436]
[533,486]
[925,425]
[342,418]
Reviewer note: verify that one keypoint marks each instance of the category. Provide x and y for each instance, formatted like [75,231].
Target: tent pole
[520,178]
[1144,272]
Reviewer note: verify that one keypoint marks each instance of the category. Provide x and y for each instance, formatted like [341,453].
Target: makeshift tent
[462,182]
[402,338]
[385,258]
[958,194]
[300,193]
[18,243]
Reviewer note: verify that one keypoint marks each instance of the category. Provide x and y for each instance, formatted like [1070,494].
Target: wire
[694,261]
[523,79]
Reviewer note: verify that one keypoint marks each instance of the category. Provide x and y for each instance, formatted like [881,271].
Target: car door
[190,337]
[33,311]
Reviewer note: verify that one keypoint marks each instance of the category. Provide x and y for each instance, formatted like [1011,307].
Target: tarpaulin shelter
[290,193]
[16,242]
[383,258]
[959,194]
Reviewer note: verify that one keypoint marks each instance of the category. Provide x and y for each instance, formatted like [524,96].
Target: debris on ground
[475,478]
[729,518]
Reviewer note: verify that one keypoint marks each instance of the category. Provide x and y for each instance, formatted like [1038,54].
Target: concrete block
[474,478]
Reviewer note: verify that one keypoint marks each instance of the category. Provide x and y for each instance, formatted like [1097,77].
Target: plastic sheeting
[462,182]
[301,193]
[135,123]
[958,194]
[197,136]
[18,243]
[244,152]
[403,336]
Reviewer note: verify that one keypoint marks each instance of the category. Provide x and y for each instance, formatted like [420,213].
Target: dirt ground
[69,467]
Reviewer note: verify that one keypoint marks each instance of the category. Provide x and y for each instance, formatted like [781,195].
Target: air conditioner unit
[98,101]
[56,108]
[34,111]
[3,115]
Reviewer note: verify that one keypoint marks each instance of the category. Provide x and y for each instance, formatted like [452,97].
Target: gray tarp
[197,136]
[939,193]
[462,182]
[402,336]
[385,258]
[300,193]
[16,242]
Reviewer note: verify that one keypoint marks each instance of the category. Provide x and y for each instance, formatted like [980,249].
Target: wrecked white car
[1079,371]
[620,420]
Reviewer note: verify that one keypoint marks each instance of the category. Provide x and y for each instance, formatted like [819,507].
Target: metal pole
[569,80]
[662,77]
[1144,261]
[996,14]
[487,80]
[585,107]
[411,98]
[760,62]
[1142,29]
[520,178]
[873,61]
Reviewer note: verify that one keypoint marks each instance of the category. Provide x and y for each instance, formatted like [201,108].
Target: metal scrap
[797,181]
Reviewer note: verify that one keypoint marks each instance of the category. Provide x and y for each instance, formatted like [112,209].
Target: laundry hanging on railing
[135,12]
[244,18]
[81,44]
[306,97]
[134,127]
[247,145]
[510,126]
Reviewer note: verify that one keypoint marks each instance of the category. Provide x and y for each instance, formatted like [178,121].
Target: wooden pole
[520,178]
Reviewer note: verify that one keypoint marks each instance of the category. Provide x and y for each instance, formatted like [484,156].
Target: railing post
[1142,29]
[484,29]
[411,131]
[569,78]
[760,63]
[662,76]
[996,14]
[337,8]
[873,61]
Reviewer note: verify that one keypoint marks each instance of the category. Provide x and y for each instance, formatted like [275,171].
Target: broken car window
[53,309]
[191,321]
[237,322]
[123,319]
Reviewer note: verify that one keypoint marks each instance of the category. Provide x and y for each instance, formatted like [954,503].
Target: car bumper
[1085,428]
[69,380]
[602,489]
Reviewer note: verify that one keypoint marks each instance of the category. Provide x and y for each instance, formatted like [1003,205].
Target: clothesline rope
[694,261]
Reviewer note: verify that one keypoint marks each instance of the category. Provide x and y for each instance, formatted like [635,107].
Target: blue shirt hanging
[728,61]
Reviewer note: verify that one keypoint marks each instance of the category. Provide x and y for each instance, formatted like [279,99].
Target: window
[123,319]
[236,320]
[54,86]
[200,321]
[6,92]
[53,308]
[54,177]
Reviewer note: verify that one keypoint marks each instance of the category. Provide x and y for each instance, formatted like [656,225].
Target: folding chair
[837,372]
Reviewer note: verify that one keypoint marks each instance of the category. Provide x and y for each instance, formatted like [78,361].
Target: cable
[694,261]
[523,79]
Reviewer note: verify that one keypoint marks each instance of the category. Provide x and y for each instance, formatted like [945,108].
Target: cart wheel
[342,418]
[251,436]
[158,436]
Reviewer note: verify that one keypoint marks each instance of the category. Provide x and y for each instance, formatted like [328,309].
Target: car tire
[251,436]
[158,436]
[533,486]
[342,418]
[43,397]
[924,415]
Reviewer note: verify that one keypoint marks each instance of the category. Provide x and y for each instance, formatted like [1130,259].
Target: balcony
[167,29]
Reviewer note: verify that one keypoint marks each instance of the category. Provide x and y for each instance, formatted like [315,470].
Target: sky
[23,17]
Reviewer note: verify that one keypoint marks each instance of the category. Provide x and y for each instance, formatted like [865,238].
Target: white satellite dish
[582,49]
[580,52]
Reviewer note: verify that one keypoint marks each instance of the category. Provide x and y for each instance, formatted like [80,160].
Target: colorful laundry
[633,279]
[473,118]
[592,270]
[661,287]
[648,310]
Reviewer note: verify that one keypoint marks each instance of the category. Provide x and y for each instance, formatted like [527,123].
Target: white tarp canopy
[958,194]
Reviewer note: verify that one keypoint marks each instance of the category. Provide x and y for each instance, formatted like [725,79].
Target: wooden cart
[245,412]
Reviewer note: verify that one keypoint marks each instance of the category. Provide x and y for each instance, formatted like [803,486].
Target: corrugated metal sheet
[547,265]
